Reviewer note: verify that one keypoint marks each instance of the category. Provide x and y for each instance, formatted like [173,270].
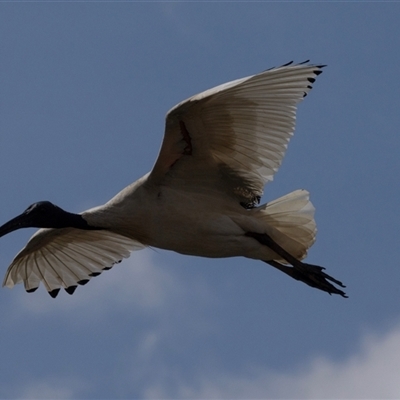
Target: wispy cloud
[371,372]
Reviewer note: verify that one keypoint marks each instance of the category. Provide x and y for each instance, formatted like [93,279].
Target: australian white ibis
[201,198]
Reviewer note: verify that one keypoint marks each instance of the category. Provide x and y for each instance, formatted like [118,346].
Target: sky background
[84,89]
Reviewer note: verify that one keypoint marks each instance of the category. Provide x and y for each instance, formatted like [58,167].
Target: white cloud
[370,373]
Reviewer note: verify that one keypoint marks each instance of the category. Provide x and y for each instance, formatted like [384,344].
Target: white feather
[64,257]
[239,132]
[290,221]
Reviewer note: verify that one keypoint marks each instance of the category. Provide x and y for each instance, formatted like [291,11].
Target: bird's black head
[44,214]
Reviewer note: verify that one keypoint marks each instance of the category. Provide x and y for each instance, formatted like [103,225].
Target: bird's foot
[312,275]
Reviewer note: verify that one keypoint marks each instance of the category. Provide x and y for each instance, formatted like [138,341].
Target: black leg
[312,275]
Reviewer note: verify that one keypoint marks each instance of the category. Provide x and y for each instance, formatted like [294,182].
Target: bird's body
[206,225]
[201,197]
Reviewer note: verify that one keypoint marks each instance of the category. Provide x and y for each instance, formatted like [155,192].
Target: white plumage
[201,198]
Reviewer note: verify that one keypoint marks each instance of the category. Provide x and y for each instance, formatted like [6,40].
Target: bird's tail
[290,221]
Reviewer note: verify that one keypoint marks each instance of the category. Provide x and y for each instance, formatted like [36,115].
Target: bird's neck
[72,220]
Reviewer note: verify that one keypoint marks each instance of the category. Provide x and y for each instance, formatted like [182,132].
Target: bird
[201,198]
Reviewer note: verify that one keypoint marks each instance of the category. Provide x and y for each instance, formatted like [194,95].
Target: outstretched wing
[233,137]
[66,258]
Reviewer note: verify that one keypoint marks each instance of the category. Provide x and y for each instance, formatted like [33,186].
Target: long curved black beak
[21,221]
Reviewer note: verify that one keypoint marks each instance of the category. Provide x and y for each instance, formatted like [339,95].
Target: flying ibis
[201,198]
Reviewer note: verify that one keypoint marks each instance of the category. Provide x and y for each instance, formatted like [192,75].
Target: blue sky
[84,89]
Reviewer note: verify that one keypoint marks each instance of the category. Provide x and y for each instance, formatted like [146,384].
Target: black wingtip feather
[53,293]
[83,282]
[31,290]
[285,65]
[71,289]
[93,274]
